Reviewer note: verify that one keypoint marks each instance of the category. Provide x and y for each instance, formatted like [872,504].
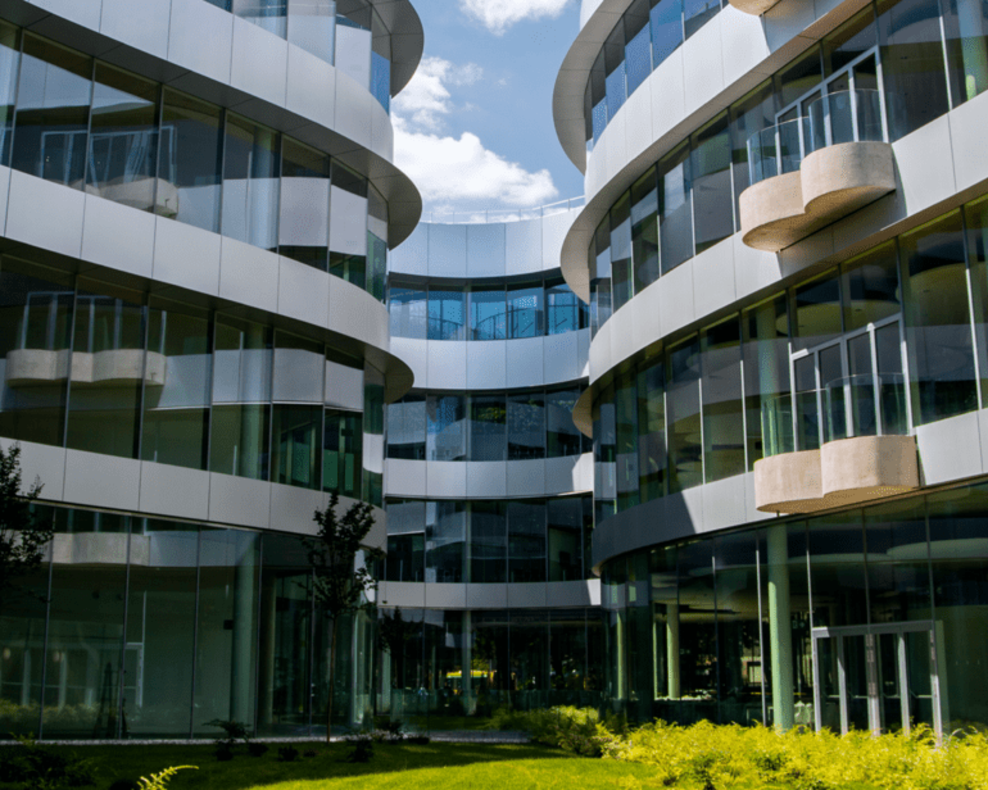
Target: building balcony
[753,7]
[115,367]
[812,170]
[836,446]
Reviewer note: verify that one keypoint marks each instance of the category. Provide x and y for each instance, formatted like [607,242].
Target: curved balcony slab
[831,183]
[789,483]
[868,467]
[121,367]
[753,7]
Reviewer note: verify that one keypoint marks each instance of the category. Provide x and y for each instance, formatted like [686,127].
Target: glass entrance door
[882,678]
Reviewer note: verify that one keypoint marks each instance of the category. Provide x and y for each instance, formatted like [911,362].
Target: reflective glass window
[526,541]
[85,631]
[898,565]
[912,58]
[562,436]
[614,71]
[374,448]
[177,386]
[600,278]
[651,431]
[36,308]
[109,334]
[597,90]
[190,160]
[446,314]
[837,569]
[446,534]
[966,27]
[604,449]
[348,228]
[123,140]
[622,285]
[768,403]
[817,317]
[698,666]
[871,287]
[488,314]
[406,428]
[295,445]
[938,323]
[696,13]
[9,62]
[161,623]
[526,426]
[303,226]
[377,244]
[564,310]
[638,49]
[626,441]
[240,420]
[406,558]
[407,307]
[710,170]
[644,231]
[524,310]
[447,435]
[976,220]
[754,113]
[268,14]
[488,551]
[564,524]
[683,416]
[226,635]
[675,210]
[487,428]
[342,448]
[312,26]
[723,412]
[251,169]
[53,101]
[666,22]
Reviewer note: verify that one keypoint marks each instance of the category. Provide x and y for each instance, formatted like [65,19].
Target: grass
[449,766]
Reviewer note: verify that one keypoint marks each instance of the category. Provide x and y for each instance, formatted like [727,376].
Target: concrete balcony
[753,7]
[861,455]
[120,367]
[808,172]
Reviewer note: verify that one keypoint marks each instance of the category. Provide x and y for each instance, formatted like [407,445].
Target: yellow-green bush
[707,756]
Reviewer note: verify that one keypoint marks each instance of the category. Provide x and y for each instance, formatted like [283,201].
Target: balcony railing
[863,405]
[849,116]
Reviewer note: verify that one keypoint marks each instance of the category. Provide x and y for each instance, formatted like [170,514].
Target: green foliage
[234,731]
[577,730]
[23,535]
[159,781]
[41,768]
[705,756]
[339,586]
[287,754]
[363,748]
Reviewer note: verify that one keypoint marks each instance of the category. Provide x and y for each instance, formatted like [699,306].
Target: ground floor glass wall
[145,628]
[727,628]
[443,669]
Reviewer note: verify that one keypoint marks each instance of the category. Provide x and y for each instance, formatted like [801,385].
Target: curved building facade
[783,256]
[489,599]
[198,199]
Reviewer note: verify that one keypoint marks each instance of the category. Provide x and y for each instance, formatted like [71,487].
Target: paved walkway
[444,736]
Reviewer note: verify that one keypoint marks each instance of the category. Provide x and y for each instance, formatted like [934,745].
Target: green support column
[672,649]
[780,629]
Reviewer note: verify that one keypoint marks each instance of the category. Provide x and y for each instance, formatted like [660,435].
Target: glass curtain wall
[928,58]
[154,628]
[454,426]
[530,540]
[709,407]
[88,125]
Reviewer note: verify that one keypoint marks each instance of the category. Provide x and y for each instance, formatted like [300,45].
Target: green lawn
[435,765]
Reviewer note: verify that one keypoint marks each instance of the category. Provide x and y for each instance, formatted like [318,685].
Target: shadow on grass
[329,762]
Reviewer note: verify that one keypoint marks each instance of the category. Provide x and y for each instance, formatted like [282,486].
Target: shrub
[40,768]
[363,749]
[159,781]
[257,749]
[577,730]
[287,754]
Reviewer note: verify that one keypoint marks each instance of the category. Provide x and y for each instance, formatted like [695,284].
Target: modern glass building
[783,254]
[489,598]
[197,200]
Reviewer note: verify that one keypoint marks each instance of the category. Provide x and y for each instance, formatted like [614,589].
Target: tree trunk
[332,677]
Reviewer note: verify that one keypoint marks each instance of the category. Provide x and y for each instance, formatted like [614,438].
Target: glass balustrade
[842,117]
[863,405]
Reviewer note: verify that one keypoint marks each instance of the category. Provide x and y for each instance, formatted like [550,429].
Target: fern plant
[159,781]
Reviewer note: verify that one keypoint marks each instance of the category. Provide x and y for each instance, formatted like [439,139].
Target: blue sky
[474,127]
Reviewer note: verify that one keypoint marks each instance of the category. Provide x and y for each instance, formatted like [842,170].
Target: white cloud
[426,98]
[455,171]
[498,15]
[462,173]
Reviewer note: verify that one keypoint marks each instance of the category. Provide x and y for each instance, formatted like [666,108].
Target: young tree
[340,588]
[23,536]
